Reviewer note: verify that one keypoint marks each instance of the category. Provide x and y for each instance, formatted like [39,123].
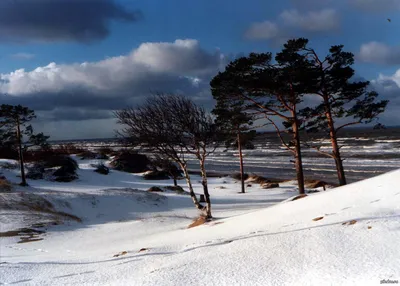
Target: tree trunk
[241,162]
[175,182]
[335,146]
[298,158]
[21,156]
[191,192]
[205,188]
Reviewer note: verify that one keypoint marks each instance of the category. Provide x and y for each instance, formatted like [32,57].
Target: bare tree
[173,126]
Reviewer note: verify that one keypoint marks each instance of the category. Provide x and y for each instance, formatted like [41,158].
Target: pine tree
[344,102]
[231,117]
[13,120]
[272,90]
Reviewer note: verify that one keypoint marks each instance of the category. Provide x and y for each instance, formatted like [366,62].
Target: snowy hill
[344,236]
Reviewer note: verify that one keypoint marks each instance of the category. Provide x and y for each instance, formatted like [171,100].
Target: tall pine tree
[344,102]
[231,116]
[13,127]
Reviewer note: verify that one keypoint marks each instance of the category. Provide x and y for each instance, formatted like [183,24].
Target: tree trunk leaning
[298,157]
[205,188]
[335,148]
[21,156]
[241,163]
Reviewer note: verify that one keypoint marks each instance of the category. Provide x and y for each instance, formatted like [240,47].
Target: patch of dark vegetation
[65,175]
[156,175]
[102,169]
[5,186]
[65,169]
[237,176]
[313,184]
[131,162]
[61,161]
[87,155]
[177,189]
[7,152]
[155,190]
[269,185]
[261,180]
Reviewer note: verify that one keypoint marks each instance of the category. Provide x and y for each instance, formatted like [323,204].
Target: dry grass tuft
[299,197]
[199,221]
[5,186]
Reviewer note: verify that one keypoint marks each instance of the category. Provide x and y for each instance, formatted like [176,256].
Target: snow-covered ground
[344,236]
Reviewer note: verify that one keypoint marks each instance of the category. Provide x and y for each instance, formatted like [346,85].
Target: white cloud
[376,5]
[313,21]
[262,31]
[23,56]
[158,60]
[380,53]
[181,66]
[291,22]
[78,98]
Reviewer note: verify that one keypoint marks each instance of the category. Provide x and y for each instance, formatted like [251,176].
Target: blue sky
[217,29]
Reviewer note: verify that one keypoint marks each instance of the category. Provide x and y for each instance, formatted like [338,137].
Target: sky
[75,62]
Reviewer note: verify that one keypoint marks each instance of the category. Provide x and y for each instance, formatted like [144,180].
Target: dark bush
[269,185]
[156,175]
[36,172]
[60,161]
[65,174]
[236,176]
[8,153]
[87,155]
[131,162]
[67,167]
[155,190]
[102,169]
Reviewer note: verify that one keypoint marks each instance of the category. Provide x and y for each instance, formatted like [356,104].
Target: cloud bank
[90,90]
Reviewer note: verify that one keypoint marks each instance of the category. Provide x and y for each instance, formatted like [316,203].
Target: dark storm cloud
[59,20]
[60,105]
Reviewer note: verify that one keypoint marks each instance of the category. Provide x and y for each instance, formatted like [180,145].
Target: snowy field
[343,236]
